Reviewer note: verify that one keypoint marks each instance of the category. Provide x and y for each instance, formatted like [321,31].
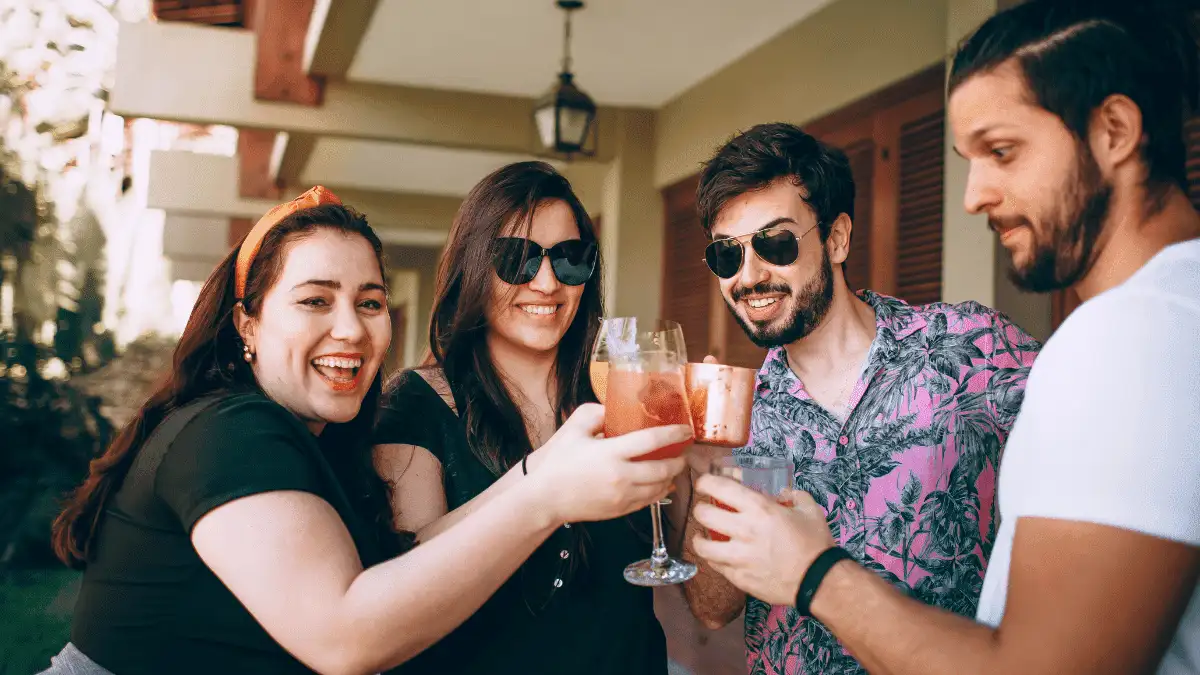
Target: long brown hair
[458,325]
[208,359]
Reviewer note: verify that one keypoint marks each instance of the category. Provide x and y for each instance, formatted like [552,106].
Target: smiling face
[777,305]
[1040,187]
[534,317]
[323,329]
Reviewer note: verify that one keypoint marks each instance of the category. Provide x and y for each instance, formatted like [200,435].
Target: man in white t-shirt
[1070,115]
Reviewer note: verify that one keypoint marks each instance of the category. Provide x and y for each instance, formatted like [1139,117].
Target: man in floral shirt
[1070,116]
[894,415]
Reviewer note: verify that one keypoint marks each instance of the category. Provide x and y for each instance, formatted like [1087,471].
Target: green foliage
[51,431]
[36,621]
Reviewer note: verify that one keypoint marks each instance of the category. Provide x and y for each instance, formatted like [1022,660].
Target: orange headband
[317,196]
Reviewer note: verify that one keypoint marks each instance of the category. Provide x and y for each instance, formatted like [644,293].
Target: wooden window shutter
[895,141]
[919,232]
[687,290]
[862,164]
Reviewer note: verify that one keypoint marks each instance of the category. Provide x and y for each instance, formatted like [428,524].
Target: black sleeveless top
[567,609]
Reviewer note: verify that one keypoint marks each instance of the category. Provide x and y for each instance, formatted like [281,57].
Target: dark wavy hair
[207,360]
[458,325]
[754,159]
[1073,54]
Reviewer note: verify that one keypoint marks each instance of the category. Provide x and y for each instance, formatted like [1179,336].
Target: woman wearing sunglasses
[234,524]
[516,311]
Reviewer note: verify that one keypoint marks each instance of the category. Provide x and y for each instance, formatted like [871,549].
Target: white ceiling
[625,52]
[430,170]
[400,167]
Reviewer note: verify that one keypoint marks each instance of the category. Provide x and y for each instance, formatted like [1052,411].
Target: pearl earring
[247,354]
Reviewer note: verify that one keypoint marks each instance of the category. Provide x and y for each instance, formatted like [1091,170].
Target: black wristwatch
[816,574]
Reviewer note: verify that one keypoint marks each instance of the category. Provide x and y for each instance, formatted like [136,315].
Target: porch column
[631,238]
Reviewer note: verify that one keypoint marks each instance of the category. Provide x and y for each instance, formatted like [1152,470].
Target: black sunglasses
[775,246]
[518,260]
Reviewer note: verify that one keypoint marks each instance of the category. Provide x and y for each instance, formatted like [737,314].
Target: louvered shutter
[687,284]
[862,165]
[919,230]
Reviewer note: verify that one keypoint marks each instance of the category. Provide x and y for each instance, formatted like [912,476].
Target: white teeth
[337,362]
[758,303]
[540,309]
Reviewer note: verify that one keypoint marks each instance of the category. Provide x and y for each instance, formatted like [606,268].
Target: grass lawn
[35,617]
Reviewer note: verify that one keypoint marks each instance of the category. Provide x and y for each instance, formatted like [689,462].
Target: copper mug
[719,396]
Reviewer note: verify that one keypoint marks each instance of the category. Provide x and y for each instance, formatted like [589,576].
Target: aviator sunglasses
[777,246]
[517,260]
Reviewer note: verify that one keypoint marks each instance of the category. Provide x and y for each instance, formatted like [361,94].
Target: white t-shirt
[1109,432]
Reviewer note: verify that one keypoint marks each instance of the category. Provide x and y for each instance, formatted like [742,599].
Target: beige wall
[974,264]
[968,247]
[840,54]
[631,235]
[424,262]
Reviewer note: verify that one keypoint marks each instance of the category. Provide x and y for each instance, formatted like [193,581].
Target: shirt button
[558,583]
[843,440]
[563,554]
[851,504]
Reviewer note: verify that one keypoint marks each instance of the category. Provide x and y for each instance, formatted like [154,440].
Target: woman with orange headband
[231,527]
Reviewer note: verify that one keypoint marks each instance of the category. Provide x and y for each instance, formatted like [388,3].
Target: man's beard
[811,306]
[1064,247]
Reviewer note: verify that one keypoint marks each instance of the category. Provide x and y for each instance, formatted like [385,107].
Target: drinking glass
[770,476]
[638,370]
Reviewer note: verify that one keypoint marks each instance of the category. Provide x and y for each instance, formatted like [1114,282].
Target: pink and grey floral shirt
[909,480]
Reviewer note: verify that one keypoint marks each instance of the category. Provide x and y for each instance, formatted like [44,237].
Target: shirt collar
[895,320]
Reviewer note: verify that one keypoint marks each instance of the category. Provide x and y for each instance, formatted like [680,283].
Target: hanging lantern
[565,116]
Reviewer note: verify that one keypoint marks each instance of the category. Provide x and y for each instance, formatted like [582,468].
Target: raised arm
[289,559]
[1102,486]
[1093,622]
[418,496]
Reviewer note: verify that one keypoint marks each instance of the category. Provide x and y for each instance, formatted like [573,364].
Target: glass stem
[658,557]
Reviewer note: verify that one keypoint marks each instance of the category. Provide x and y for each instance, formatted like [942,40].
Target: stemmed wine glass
[637,371]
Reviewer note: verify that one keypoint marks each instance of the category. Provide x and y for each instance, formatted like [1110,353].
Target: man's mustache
[759,289]
[998,225]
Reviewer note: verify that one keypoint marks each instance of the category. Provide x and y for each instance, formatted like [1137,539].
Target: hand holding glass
[641,374]
[642,387]
[771,476]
